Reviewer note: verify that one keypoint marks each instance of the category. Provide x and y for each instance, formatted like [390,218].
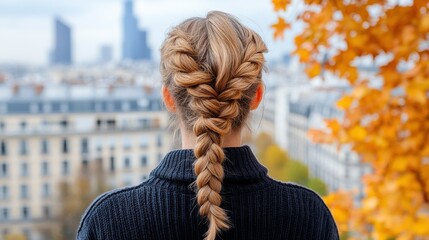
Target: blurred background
[81,111]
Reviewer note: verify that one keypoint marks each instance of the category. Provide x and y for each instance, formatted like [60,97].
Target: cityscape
[70,131]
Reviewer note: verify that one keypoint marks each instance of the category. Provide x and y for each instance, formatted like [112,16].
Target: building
[106,54]
[134,40]
[49,134]
[338,167]
[62,51]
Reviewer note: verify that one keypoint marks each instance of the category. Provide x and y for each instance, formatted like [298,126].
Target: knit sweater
[164,206]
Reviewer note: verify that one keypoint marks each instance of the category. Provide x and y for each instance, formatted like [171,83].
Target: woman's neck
[231,140]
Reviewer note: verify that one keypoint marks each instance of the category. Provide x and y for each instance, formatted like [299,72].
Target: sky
[26,26]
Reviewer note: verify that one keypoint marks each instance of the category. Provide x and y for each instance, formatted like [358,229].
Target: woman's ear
[258,97]
[168,100]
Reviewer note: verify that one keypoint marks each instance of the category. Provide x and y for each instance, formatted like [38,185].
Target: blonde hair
[212,67]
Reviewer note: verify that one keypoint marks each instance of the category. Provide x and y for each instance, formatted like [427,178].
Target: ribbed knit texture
[164,206]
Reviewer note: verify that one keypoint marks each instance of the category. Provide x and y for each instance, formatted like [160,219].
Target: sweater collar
[240,165]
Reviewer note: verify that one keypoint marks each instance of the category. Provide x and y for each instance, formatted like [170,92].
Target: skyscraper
[134,41]
[106,54]
[62,51]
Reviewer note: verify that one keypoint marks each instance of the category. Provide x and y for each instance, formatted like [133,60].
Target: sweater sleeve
[85,232]
[331,231]
[88,227]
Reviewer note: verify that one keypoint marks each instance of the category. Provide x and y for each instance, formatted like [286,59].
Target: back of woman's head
[212,68]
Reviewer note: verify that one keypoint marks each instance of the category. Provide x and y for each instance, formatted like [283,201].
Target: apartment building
[48,135]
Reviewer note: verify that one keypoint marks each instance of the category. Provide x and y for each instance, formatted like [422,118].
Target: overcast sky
[26,26]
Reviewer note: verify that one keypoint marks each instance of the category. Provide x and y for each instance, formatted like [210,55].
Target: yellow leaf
[424,24]
[370,203]
[399,164]
[280,27]
[416,93]
[304,54]
[345,102]
[421,226]
[313,70]
[280,4]
[357,133]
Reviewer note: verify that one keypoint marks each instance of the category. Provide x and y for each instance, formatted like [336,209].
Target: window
[85,164]
[159,140]
[84,145]
[112,164]
[64,124]
[4,213]
[44,146]
[46,190]
[99,144]
[45,168]
[24,191]
[127,162]
[143,161]
[112,143]
[144,141]
[46,212]
[24,169]
[23,126]
[111,123]
[144,123]
[65,146]
[23,150]
[4,192]
[65,169]
[25,212]
[4,170]
[3,148]
[127,142]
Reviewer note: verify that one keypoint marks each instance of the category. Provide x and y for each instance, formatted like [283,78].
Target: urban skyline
[93,28]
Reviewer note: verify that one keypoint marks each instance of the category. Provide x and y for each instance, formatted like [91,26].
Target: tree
[317,185]
[282,167]
[77,196]
[386,116]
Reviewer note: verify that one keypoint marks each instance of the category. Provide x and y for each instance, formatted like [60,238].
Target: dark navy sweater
[164,206]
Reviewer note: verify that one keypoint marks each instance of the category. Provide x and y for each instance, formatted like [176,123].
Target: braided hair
[212,67]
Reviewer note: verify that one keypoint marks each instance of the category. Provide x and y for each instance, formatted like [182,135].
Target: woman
[213,188]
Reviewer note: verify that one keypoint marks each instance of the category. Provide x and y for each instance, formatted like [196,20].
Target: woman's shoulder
[305,205]
[297,194]
[105,206]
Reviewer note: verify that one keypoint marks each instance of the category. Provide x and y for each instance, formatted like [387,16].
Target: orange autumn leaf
[345,102]
[280,5]
[280,27]
[313,70]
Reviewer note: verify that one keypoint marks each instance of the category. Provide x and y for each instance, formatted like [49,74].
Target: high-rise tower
[62,51]
[134,41]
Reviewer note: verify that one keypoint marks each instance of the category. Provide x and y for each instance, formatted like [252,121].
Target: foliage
[297,172]
[317,185]
[386,117]
[282,167]
[77,196]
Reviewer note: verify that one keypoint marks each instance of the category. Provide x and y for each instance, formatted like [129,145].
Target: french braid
[212,66]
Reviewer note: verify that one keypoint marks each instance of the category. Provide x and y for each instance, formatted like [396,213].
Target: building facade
[47,136]
[338,167]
